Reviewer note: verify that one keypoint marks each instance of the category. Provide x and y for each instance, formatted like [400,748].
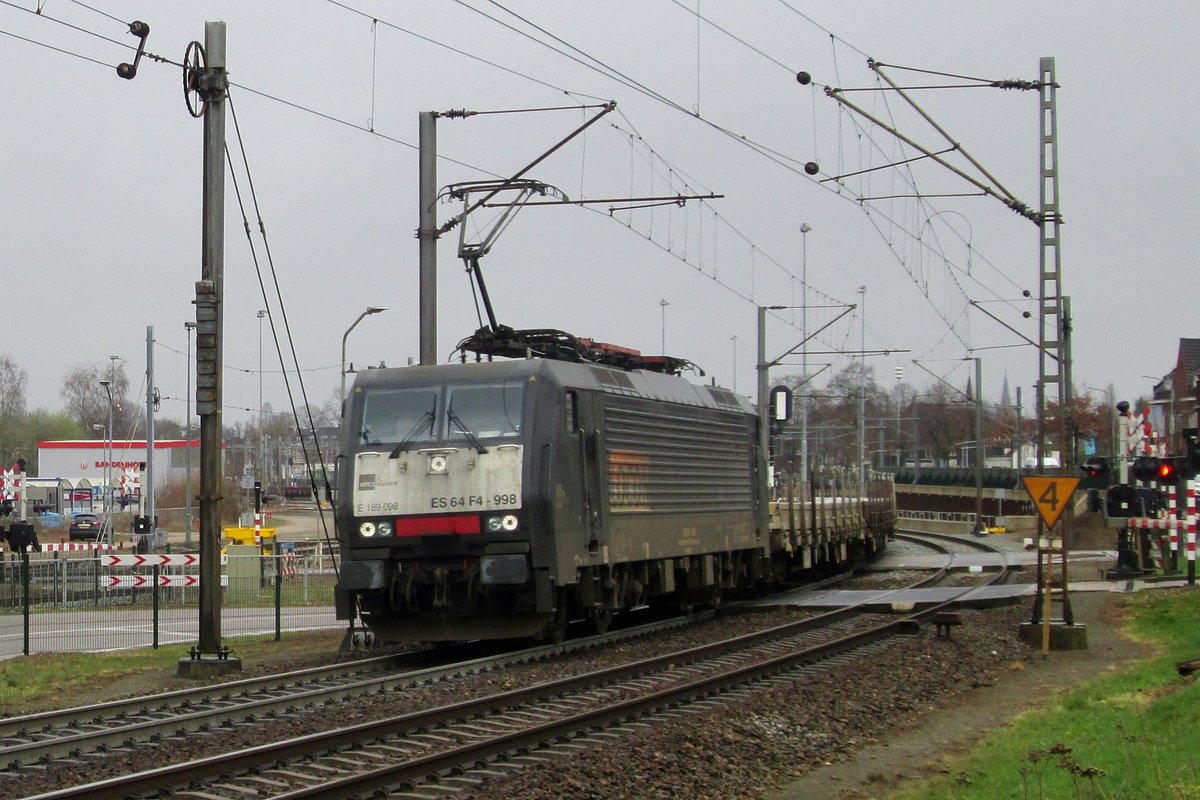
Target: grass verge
[57,680]
[1123,736]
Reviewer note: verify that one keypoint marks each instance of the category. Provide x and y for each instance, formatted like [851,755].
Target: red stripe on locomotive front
[443,524]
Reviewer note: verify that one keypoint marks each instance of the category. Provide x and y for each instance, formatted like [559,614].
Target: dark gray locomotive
[501,499]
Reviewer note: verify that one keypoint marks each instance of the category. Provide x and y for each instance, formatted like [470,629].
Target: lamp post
[187,534]
[663,303]
[805,228]
[370,310]
[108,464]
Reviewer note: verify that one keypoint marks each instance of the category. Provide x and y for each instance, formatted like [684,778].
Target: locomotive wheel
[601,618]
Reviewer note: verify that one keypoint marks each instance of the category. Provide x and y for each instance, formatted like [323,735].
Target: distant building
[1178,391]
[79,459]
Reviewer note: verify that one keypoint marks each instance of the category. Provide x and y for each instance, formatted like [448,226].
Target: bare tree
[12,388]
[87,401]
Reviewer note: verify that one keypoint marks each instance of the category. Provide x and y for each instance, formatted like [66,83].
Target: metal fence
[89,602]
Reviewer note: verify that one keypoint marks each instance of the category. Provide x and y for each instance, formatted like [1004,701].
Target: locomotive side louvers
[685,460]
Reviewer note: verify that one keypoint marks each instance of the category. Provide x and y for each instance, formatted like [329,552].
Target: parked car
[85,526]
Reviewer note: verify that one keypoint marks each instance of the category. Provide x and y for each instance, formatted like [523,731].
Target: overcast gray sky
[100,182]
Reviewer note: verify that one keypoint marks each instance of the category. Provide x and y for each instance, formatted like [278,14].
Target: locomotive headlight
[507,523]
[438,464]
[366,529]
[384,528]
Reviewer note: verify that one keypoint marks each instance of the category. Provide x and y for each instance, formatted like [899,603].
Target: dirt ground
[943,732]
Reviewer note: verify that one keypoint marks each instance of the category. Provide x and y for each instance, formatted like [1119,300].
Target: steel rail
[54,734]
[536,734]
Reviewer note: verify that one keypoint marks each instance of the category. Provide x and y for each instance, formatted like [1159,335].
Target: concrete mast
[213,82]
[427,236]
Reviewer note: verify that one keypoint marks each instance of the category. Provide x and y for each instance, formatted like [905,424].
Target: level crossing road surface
[1085,564]
[104,630]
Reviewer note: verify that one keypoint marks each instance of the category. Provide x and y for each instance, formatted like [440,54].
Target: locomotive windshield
[434,413]
[485,410]
[400,415]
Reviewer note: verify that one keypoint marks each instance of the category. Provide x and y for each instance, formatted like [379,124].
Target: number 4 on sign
[1050,494]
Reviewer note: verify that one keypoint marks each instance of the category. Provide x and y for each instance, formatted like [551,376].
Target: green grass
[51,680]
[1123,736]
[26,679]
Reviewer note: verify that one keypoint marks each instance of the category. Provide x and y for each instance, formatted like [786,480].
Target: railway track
[74,732]
[500,730]
[942,540]
[403,751]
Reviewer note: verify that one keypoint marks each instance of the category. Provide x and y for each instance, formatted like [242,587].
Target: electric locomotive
[500,499]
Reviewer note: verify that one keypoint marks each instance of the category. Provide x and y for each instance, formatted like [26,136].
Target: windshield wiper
[465,430]
[427,417]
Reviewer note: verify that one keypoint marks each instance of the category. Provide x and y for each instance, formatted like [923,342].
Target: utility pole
[979,450]
[148,488]
[805,229]
[862,393]
[764,424]
[212,83]
[427,236]
[1054,368]
[262,441]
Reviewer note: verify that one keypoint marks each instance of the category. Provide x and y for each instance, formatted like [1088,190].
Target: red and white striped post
[1169,552]
[1191,531]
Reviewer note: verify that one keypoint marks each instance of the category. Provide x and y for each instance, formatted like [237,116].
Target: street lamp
[108,464]
[664,305]
[187,534]
[370,310]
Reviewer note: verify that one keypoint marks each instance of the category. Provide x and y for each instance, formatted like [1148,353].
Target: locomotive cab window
[484,410]
[397,415]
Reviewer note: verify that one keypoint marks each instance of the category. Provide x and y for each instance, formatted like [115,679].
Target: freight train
[503,498]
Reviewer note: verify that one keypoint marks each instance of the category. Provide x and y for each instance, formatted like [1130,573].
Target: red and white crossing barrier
[79,547]
[1155,523]
[152,560]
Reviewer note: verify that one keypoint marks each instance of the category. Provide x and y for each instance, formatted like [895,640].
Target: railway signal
[1168,471]
[1145,468]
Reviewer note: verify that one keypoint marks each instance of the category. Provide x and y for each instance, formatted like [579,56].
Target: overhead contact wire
[286,325]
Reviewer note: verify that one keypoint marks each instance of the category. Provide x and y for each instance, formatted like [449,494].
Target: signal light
[1145,468]
[1166,471]
[1096,465]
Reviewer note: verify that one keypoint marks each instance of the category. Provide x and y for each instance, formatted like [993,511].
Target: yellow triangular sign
[1050,495]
